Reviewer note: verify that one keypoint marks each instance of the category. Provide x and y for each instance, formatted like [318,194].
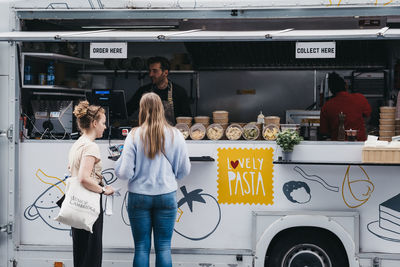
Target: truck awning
[136,36]
[113,35]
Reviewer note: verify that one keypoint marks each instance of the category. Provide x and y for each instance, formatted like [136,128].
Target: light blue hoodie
[153,176]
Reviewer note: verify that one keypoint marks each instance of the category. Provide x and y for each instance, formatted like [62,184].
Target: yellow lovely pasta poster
[245,176]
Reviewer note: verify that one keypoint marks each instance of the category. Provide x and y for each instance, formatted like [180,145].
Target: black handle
[356,163]
[203,158]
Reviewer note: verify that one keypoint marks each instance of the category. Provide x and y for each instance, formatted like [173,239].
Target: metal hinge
[7,133]
[7,228]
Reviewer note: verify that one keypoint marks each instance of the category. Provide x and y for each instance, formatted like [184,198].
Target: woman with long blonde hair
[154,156]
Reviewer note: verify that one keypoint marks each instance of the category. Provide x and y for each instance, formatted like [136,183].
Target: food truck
[241,205]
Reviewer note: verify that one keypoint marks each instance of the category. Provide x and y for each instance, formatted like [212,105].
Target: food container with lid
[205,120]
[202,119]
[184,129]
[197,131]
[187,120]
[270,132]
[272,120]
[234,131]
[250,131]
[215,131]
[220,114]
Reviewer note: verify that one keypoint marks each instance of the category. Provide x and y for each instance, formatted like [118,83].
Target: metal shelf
[58,57]
[63,58]
[56,88]
[134,71]
[289,67]
[333,163]
[58,94]
[373,95]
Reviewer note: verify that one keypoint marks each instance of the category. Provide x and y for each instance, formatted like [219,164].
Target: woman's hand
[109,190]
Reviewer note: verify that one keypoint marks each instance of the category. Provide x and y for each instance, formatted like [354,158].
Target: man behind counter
[173,96]
[355,106]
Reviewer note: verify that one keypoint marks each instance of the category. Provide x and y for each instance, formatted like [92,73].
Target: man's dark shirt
[179,97]
[355,106]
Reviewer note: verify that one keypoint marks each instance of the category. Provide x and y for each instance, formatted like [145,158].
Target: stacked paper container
[387,123]
[221,117]
[397,121]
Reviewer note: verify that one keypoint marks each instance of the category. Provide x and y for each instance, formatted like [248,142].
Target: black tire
[306,246]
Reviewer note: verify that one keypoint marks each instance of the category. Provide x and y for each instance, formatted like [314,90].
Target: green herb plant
[288,139]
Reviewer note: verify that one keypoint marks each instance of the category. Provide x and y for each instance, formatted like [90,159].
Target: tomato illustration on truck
[202,209]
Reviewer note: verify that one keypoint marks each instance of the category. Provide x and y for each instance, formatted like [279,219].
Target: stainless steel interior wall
[275,91]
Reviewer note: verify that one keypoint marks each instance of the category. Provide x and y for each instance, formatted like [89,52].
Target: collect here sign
[315,49]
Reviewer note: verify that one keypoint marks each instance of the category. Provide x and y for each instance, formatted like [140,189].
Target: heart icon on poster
[234,163]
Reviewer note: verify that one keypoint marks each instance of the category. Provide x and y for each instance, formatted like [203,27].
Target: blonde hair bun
[81,109]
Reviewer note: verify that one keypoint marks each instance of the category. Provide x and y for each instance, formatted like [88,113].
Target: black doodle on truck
[297,192]
[44,207]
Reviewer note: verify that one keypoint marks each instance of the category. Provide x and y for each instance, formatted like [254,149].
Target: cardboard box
[380,155]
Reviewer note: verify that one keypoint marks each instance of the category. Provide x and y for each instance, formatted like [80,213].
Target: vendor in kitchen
[354,105]
[174,97]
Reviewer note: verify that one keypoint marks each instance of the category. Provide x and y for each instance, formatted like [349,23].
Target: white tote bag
[80,208]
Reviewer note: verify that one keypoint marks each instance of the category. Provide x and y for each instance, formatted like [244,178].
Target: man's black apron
[168,104]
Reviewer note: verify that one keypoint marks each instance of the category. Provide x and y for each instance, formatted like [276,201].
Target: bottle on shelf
[341,131]
[260,124]
[50,74]
[260,118]
[28,74]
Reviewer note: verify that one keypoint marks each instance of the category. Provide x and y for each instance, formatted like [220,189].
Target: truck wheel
[306,248]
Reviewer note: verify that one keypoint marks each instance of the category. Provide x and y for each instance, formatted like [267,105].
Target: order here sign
[315,49]
[108,50]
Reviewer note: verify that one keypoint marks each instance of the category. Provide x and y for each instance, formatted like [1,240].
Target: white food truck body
[240,204]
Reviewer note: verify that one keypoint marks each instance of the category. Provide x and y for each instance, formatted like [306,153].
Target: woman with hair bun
[84,162]
[154,156]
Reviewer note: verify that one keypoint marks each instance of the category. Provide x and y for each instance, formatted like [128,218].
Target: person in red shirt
[355,106]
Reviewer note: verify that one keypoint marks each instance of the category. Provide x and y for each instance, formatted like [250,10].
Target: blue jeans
[152,213]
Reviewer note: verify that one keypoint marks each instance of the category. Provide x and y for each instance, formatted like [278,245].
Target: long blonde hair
[152,121]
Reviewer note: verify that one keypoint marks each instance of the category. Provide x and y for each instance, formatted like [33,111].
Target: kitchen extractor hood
[281,54]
